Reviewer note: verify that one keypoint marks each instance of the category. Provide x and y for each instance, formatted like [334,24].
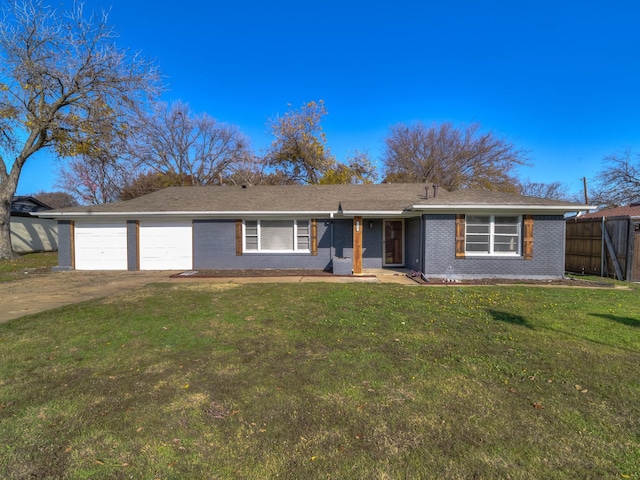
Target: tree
[299,153]
[167,147]
[618,183]
[299,149]
[553,190]
[95,179]
[64,83]
[96,173]
[56,199]
[172,140]
[360,169]
[253,171]
[451,157]
[150,182]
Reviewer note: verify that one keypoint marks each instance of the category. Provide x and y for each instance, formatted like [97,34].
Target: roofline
[372,213]
[31,198]
[409,211]
[204,213]
[234,214]
[505,207]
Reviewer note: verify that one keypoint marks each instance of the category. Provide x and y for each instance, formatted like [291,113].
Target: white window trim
[491,253]
[259,235]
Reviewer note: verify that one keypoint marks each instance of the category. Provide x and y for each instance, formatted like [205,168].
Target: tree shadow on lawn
[510,318]
[632,322]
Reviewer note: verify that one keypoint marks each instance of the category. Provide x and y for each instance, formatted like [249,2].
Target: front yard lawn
[305,381]
[29,263]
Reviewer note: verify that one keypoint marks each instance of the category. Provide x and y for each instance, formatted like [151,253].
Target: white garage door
[100,246]
[166,246]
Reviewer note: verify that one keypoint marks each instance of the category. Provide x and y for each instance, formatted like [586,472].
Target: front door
[393,242]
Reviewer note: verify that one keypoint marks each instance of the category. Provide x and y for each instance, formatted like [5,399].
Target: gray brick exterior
[548,252]
[214,247]
[429,247]
[65,255]
[371,243]
[413,250]
[342,238]
[132,245]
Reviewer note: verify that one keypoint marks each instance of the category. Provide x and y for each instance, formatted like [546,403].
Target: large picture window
[277,236]
[493,235]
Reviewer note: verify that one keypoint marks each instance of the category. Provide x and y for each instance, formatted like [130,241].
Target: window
[277,236]
[492,235]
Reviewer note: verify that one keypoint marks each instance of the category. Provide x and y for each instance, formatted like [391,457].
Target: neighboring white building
[28,233]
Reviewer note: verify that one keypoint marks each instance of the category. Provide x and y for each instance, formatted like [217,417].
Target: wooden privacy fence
[604,247]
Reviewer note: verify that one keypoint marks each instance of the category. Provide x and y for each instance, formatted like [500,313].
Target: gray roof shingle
[272,198]
[487,197]
[306,198]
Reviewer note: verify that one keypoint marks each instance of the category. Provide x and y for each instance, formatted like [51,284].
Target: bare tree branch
[618,183]
[173,140]
[65,83]
[451,157]
[553,190]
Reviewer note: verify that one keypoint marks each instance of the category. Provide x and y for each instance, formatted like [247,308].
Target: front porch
[384,271]
[382,246]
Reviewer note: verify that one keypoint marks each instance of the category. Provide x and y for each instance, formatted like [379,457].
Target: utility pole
[586,195]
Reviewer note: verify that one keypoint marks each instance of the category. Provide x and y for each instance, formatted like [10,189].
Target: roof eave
[190,214]
[233,214]
[373,213]
[501,207]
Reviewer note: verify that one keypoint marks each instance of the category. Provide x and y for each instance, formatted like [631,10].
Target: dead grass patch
[205,287]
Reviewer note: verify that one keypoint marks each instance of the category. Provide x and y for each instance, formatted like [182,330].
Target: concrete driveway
[37,293]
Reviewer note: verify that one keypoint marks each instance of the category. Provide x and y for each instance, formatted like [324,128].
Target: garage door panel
[100,246]
[166,245]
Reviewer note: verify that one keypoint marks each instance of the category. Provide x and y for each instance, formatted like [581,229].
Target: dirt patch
[33,293]
[244,273]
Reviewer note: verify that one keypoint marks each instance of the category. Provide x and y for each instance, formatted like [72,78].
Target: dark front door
[393,243]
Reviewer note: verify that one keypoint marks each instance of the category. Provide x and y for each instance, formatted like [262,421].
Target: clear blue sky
[560,79]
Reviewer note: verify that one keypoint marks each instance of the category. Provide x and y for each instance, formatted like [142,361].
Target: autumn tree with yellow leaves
[299,152]
[64,85]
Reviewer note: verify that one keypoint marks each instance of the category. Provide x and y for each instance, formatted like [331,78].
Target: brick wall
[214,247]
[413,251]
[547,262]
[372,243]
[65,260]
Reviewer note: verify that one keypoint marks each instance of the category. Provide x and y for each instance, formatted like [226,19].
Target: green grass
[27,264]
[325,381]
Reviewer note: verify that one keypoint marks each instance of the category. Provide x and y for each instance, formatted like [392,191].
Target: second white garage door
[166,246]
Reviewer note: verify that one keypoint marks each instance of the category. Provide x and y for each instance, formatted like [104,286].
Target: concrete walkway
[37,293]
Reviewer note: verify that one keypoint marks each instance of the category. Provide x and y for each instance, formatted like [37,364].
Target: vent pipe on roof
[426,191]
[435,190]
